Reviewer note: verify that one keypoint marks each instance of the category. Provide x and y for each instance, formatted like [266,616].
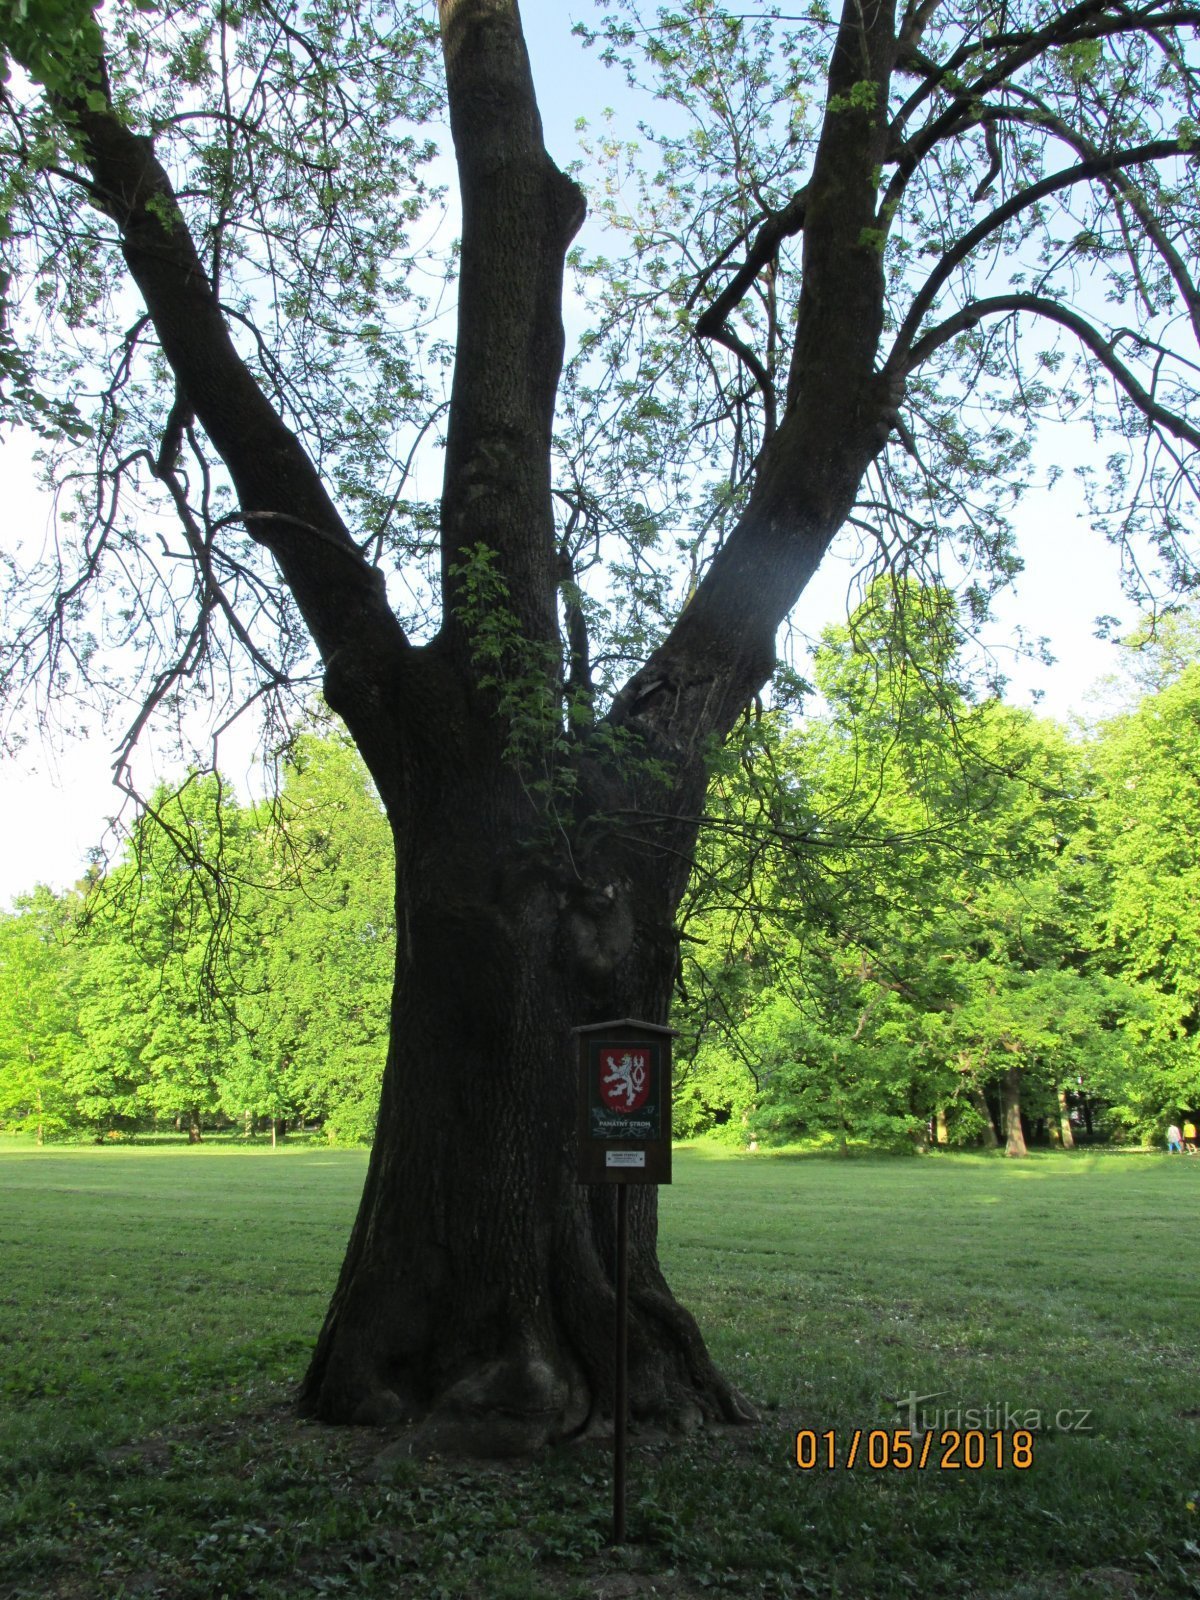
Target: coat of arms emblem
[624,1079]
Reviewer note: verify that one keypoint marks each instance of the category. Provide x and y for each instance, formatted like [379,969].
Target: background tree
[878,247]
[235,963]
[152,1037]
[922,930]
[38,965]
[315,1010]
[1149,760]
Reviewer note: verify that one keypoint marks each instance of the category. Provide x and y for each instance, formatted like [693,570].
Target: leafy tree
[1149,760]
[315,1013]
[1161,647]
[109,1017]
[152,1038]
[1033,1013]
[924,930]
[38,961]
[869,252]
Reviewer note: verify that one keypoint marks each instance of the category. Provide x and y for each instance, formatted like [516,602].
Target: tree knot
[597,926]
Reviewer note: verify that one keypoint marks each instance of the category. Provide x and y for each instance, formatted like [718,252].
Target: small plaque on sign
[624,1158]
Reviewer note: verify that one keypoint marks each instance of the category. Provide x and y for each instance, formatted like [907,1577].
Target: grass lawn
[157,1305]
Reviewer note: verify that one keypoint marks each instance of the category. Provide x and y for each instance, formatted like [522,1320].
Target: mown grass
[156,1306]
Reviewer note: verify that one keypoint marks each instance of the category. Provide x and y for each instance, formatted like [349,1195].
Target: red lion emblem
[624,1079]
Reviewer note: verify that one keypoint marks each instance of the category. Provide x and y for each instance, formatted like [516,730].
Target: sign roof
[625,1022]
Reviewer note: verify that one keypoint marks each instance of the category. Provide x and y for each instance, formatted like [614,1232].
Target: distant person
[1174,1141]
[1189,1137]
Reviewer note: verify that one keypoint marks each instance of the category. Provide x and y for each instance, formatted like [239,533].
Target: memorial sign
[624,1137]
[624,1102]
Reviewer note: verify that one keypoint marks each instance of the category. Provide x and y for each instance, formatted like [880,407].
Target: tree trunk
[1011,1097]
[979,1101]
[477,1293]
[1064,1121]
[941,1131]
[194,1134]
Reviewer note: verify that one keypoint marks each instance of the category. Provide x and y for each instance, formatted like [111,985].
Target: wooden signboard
[624,1102]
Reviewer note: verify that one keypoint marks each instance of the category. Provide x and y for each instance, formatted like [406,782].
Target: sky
[55,796]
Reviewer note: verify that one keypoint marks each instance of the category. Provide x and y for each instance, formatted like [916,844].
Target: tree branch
[1077,23]
[1099,167]
[713,323]
[1084,331]
[519,215]
[1122,189]
[722,646]
[340,596]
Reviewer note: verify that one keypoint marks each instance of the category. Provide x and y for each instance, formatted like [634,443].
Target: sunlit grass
[157,1305]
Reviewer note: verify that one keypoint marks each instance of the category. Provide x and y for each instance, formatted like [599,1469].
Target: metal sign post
[621,1403]
[624,1137]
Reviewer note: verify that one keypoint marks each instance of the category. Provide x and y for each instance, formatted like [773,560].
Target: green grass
[157,1305]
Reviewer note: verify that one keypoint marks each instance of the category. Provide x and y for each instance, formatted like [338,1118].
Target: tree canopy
[137,1002]
[1024,248]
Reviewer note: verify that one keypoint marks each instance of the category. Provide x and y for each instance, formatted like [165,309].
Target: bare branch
[341,601]
[714,323]
[1100,166]
[1084,331]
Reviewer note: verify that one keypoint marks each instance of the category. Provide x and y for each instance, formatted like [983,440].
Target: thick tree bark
[477,1292]
[1010,1091]
[979,1101]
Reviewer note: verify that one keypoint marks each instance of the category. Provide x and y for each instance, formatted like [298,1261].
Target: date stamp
[900,1450]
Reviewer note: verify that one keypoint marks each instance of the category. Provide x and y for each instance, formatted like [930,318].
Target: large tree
[876,247]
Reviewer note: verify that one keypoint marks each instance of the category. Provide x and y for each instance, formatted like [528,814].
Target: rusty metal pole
[621,1403]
